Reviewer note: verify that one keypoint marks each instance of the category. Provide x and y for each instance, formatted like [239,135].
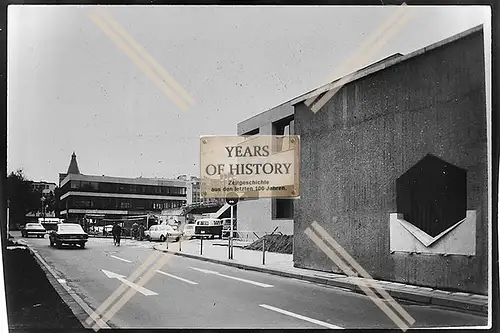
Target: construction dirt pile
[273,243]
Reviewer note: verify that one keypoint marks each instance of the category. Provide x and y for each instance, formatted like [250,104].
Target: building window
[283,127]
[82,203]
[75,184]
[252,132]
[125,205]
[282,209]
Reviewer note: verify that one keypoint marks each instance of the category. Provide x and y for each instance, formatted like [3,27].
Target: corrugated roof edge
[385,64]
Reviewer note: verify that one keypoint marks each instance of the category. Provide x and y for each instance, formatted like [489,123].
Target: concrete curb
[477,307]
[79,308]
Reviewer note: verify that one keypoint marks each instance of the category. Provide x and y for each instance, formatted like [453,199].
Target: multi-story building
[44,187]
[263,215]
[105,197]
[194,191]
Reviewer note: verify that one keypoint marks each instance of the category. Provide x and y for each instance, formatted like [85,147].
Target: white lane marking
[291,314]
[142,290]
[112,256]
[61,280]
[206,271]
[176,277]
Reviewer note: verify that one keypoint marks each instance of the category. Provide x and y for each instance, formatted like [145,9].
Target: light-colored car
[35,229]
[68,233]
[162,232]
[204,226]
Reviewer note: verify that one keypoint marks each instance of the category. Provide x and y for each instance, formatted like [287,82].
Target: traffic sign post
[231,199]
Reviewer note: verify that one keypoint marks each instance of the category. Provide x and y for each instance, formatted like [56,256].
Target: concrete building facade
[394,168]
[266,214]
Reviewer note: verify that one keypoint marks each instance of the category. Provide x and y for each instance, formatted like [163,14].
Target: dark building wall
[370,133]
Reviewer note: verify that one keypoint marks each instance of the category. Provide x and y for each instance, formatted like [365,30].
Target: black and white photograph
[248,167]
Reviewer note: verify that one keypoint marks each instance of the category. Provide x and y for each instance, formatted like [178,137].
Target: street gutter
[79,308]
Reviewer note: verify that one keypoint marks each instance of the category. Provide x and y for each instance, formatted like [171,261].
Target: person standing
[141,231]
[117,233]
[135,228]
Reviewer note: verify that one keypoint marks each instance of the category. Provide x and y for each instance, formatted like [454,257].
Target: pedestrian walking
[117,233]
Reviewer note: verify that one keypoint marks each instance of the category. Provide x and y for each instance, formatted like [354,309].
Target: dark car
[68,233]
[35,229]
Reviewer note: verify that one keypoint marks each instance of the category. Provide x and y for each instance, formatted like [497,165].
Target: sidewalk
[33,303]
[282,264]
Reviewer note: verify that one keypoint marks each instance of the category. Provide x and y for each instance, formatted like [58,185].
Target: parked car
[35,229]
[162,232]
[68,233]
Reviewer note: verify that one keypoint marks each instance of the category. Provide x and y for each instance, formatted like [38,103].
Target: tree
[23,199]
[52,201]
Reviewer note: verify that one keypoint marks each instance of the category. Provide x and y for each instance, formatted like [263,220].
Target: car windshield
[70,228]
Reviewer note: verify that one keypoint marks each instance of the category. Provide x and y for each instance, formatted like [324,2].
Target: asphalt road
[188,294]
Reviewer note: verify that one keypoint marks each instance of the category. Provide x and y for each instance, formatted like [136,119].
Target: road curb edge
[77,306]
[463,306]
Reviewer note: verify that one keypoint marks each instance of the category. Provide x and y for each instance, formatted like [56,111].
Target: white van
[208,226]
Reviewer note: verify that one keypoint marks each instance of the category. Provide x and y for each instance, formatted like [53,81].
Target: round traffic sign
[232,198]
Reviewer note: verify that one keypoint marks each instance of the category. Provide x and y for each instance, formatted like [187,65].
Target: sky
[71,88]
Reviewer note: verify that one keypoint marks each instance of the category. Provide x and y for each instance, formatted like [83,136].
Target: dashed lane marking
[206,271]
[120,259]
[176,277]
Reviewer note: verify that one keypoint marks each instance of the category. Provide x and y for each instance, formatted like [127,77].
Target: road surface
[188,293]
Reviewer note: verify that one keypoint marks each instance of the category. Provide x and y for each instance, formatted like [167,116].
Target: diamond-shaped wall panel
[432,195]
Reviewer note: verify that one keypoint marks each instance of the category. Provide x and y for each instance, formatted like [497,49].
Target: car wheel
[58,244]
[82,245]
[162,238]
[177,239]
